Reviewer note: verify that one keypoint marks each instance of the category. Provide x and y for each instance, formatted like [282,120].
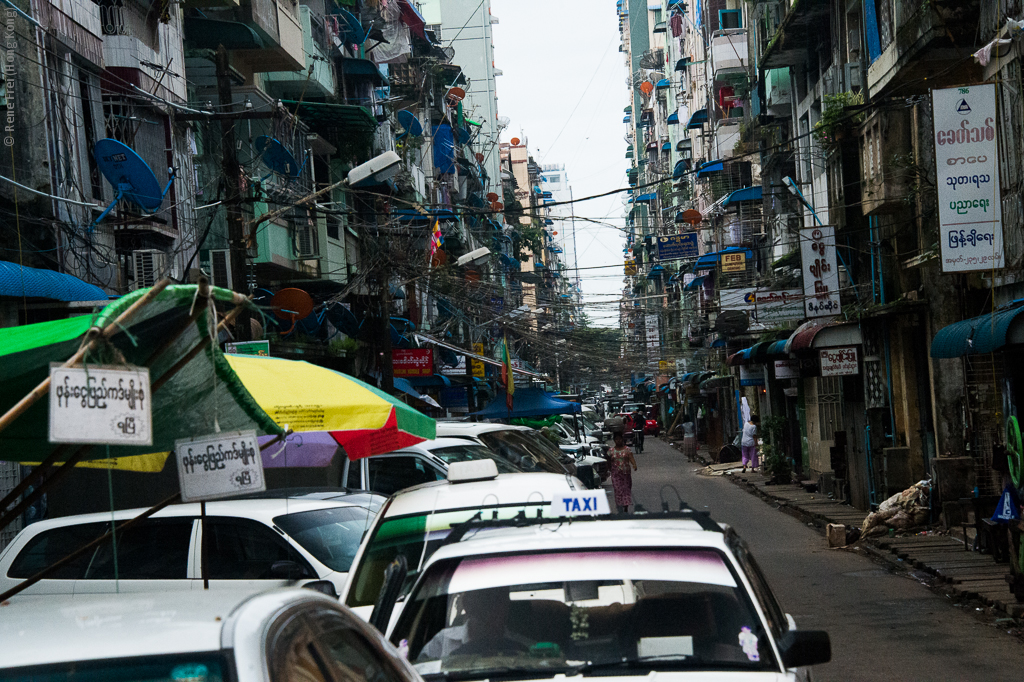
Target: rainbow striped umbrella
[304,397]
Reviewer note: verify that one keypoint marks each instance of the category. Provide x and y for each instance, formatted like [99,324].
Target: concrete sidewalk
[954,570]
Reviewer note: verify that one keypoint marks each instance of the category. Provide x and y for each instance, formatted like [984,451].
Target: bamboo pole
[45,485]
[88,344]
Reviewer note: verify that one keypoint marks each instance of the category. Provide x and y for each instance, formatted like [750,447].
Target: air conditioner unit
[306,245]
[852,74]
[150,265]
[220,268]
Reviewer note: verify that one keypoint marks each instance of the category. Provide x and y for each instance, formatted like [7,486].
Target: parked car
[215,636]
[511,443]
[624,597]
[256,543]
[421,463]
[415,522]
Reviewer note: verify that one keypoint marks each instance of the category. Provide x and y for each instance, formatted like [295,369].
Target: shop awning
[720,381]
[628,110]
[656,272]
[745,194]
[625,119]
[823,334]
[22,282]
[673,117]
[699,118]
[709,261]
[978,335]
[709,167]
[759,352]
[778,349]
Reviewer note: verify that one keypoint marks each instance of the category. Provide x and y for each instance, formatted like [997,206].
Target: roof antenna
[664,503]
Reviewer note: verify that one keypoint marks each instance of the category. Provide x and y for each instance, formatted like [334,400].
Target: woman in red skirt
[620,459]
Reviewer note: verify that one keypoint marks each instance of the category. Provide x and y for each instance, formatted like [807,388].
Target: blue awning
[625,119]
[673,117]
[19,281]
[667,147]
[434,380]
[508,261]
[694,283]
[699,118]
[709,167]
[663,83]
[682,63]
[411,215]
[778,349]
[650,196]
[679,170]
[745,194]
[978,335]
[528,402]
[656,272]
[549,221]
[709,261]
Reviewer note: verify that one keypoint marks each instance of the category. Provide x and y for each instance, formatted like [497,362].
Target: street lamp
[795,191]
[380,168]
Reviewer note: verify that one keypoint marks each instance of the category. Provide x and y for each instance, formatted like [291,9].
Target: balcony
[727,134]
[729,53]
[788,30]
[76,24]
[291,84]
[262,35]
[884,185]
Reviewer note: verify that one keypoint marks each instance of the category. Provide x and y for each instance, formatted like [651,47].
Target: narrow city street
[884,626]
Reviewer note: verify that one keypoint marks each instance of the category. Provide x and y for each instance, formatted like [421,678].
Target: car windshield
[173,668]
[471,451]
[515,447]
[416,537]
[633,610]
[331,535]
[543,443]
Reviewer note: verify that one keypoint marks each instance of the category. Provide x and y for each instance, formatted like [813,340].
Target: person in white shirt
[484,631]
[748,443]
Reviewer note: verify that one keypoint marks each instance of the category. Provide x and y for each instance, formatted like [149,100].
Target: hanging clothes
[676,24]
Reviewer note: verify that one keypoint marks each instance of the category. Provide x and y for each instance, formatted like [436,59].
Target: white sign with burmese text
[219,465]
[99,404]
[967,169]
[837,362]
[821,276]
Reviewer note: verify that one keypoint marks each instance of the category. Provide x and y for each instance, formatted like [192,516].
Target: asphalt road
[884,625]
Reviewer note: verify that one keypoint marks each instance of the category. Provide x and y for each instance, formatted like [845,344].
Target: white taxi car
[671,594]
[415,521]
[203,636]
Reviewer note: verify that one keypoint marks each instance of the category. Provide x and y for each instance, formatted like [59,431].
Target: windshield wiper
[501,672]
[648,662]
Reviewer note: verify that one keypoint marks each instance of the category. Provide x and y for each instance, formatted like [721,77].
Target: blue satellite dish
[351,28]
[464,136]
[276,157]
[130,176]
[343,320]
[411,124]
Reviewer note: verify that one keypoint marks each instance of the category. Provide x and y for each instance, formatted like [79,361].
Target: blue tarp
[19,281]
[527,402]
[745,194]
[444,149]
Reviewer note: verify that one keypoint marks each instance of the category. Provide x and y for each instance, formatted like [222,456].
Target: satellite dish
[515,141]
[479,157]
[646,88]
[692,217]
[343,319]
[276,157]
[464,136]
[291,304]
[497,206]
[457,94]
[411,124]
[554,233]
[730,322]
[438,259]
[130,176]
[492,197]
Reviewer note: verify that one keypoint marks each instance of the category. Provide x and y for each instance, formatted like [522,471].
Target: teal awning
[709,167]
[979,335]
[699,118]
[663,83]
[745,194]
[673,117]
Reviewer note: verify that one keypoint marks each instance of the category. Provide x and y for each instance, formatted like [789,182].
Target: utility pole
[387,367]
[237,244]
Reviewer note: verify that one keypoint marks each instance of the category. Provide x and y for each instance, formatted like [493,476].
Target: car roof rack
[521,520]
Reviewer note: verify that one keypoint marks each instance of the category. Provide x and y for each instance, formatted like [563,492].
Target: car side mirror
[323,586]
[287,570]
[801,648]
[390,591]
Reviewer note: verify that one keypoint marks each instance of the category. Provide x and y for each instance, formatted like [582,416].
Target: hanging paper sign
[1006,509]
[821,276]
[967,167]
[836,362]
[219,465]
[100,404]
[787,369]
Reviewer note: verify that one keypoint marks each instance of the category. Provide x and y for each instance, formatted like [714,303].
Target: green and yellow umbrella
[304,397]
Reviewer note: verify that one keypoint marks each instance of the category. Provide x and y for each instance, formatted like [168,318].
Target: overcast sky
[564,87]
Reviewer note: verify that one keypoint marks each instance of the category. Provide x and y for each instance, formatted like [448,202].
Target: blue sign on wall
[454,396]
[677,246]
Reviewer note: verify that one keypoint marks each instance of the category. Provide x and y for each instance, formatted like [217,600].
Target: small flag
[506,376]
[436,239]
[1006,509]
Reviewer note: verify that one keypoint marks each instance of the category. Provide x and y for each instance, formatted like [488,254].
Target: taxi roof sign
[581,503]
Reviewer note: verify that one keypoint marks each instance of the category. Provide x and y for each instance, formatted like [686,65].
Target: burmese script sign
[219,465]
[967,170]
[412,362]
[100,404]
[837,362]
[821,276]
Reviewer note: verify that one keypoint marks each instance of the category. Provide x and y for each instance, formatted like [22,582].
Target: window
[830,407]
[154,550]
[354,480]
[237,549]
[391,474]
[332,535]
[730,18]
[356,659]
[774,614]
[295,655]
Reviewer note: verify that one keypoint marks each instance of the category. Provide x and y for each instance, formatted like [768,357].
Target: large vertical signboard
[653,338]
[967,170]
[821,276]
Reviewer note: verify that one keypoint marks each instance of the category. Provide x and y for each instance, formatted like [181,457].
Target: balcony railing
[729,52]
[60,24]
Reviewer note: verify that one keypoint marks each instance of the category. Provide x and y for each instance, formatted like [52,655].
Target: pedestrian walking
[620,459]
[690,441]
[639,422]
[748,443]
